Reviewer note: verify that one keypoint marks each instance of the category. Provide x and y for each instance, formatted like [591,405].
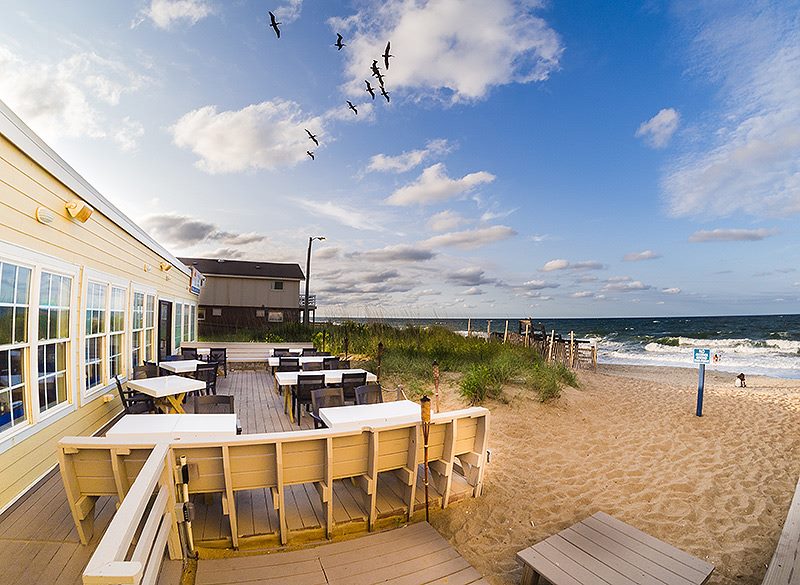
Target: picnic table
[169,391]
[602,549]
[181,366]
[289,379]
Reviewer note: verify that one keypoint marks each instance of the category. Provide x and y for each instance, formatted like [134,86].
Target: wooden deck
[415,554]
[39,543]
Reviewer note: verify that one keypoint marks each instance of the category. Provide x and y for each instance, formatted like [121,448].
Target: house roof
[19,134]
[221,267]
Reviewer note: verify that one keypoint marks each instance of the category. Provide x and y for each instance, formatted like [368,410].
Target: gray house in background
[238,294]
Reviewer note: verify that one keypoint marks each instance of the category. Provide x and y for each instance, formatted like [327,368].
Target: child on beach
[739,382]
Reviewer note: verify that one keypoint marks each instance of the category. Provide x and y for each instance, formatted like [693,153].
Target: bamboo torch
[436,384]
[425,404]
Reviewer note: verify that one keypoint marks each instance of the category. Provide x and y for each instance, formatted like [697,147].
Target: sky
[535,158]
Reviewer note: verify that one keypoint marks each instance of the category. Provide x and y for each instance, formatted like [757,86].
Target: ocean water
[759,344]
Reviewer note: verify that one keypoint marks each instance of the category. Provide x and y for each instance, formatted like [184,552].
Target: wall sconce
[79,210]
[147,268]
[165,266]
[44,215]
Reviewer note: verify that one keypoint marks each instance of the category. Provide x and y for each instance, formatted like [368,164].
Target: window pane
[61,388]
[61,356]
[6,325]
[65,292]
[42,323]
[44,290]
[21,324]
[18,404]
[23,284]
[63,323]
[5,410]
[5,372]
[7,279]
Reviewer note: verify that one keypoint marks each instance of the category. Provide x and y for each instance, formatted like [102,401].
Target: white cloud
[289,11]
[561,264]
[165,13]
[472,276]
[540,284]
[493,215]
[627,286]
[456,49]
[751,160]
[327,253]
[407,160]
[732,235]
[267,135]
[473,291]
[348,216]
[73,98]
[445,220]
[184,232]
[639,256]
[658,130]
[470,239]
[398,253]
[671,291]
[582,294]
[434,185]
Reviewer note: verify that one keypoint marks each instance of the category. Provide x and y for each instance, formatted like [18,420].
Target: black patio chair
[330,363]
[309,351]
[135,402]
[369,394]
[208,374]
[351,381]
[214,404]
[301,393]
[323,353]
[324,398]
[312,366]
[289,361]
[189,353]
[172,358]
[280,352]
[344,365]
[147,370]
[220,356]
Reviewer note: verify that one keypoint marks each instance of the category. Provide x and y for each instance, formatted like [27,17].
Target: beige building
[85,295]
[238,294]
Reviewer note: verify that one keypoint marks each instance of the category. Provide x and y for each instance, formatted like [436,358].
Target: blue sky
[555,159]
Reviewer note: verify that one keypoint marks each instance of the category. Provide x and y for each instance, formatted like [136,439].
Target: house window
[260,313]
[277,285]
[216,312]
[149,328]
[95,333]
[186,324]
[193,324]
[137,329]
[201,313]
[275,317]
[178,324]
[54,334]
[116,345]
[14,303]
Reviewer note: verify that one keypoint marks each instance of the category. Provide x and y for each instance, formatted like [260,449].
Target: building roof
[221,267]
[19,134]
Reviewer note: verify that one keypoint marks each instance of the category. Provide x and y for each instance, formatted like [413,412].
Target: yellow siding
[100,245]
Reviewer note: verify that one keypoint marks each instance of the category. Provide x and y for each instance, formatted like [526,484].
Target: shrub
[478,383]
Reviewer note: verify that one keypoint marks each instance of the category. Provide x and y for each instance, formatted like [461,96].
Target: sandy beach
[627,442]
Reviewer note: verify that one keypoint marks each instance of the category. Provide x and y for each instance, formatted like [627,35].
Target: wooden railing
[149,505]
[784,568]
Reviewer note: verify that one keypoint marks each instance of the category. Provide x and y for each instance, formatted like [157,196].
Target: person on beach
[740,381]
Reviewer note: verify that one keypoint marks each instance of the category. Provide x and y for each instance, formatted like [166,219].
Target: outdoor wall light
[165,266]
[79,210]
[44,215]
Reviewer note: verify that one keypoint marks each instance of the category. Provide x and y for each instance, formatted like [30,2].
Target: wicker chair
[134,402]
[324,398]
[301,394]
[220,356]
[208,374]
[369,394]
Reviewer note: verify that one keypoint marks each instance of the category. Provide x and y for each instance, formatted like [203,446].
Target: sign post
[702,356]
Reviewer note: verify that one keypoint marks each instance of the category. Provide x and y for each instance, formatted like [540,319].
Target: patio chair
[189,353]
[282,352]
[135,402]
[344,365]
[214,404]
[208,374]
[351,381]
[312,366]
[289,361]
[220,356]
[323,353]
[172,358]
[148,370]
[330,363]
[369,394]
[307,351]
[324,398]
[152,369]
[301,394]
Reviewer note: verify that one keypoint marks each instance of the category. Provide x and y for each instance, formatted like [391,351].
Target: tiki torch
[187,506]
[425,404]
[436,383]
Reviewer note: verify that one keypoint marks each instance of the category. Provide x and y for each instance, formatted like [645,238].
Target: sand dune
[627,443]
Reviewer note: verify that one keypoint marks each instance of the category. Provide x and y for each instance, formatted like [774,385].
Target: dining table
[174,427]
[168,391]
[288,379]
[181,366]
[359,416]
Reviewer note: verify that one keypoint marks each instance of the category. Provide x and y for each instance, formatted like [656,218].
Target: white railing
[109,564]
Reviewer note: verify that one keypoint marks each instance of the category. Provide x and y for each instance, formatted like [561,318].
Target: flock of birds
[374,68]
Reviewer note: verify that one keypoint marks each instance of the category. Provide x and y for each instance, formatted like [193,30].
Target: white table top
[331,376]
[172,426]
[371,415]
[166,386]
[275,361]
[181,366]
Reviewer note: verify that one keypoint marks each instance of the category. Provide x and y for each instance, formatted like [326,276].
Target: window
[186,328]
[54,334]
[201,313]
[116,345]
[95,333]
[277,285]
[178,324]
[260,313]
[137,329]
[149,328]
[193,324]
[216,312]
[275,317]
[14,303]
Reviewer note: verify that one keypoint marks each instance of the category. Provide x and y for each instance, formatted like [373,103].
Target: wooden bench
[603,549]
[784,568]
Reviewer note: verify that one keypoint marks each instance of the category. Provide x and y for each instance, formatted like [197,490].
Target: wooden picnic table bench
[601,549]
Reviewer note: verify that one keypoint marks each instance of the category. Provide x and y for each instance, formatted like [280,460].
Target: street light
[308,273]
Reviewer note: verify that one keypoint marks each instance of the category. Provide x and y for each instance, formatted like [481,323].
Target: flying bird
[339,44]
[386,55]
[385,93]
[274,24]
[370,89]
[374,68]
[310,153]
[352,107]
[312,136]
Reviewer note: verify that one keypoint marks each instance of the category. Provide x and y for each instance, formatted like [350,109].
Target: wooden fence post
[488,330]
[552,343]
[436,385]
[572,349]
[505,335]
[380,355]
[469,327]
[527,334]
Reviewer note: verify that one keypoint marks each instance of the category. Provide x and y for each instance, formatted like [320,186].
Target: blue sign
[702,355]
